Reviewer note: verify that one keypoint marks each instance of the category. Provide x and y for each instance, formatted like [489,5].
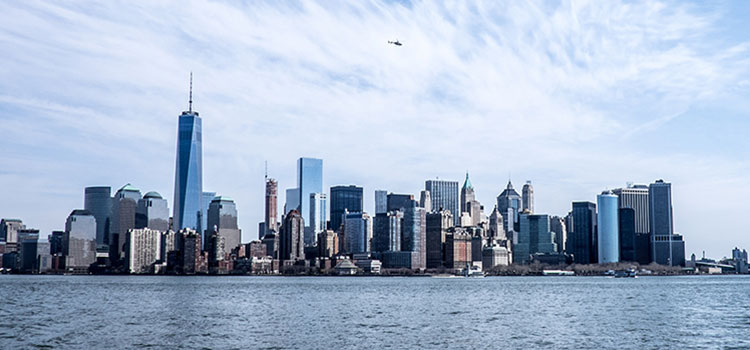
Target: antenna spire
[190,101]
[266,170]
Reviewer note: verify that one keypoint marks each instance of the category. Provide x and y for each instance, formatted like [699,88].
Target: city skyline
[60,135]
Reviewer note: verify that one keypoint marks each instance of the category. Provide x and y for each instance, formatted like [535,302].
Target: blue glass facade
[188,173]
[309,181]
[344,198]
[608,228]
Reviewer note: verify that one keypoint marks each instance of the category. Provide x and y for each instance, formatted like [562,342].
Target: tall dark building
[291,238]
[397,201]
[98,201]
[444,196]
[387,231]
[437,227]
[636,197]
[124,205]
[626,218]
[344,198]
[188,180]
[582,235]
[509,204]
[414,231]
[667,247]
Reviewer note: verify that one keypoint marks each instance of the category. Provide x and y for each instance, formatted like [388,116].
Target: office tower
[607,228]
[496,227]
[626,228]
[9,233]
[667,247]
[222,220]
[582,235]
[124,205]
[469,204]
[79,241]
[206,198]
[413,232]
[271,241]
[344,198]
[425,200]
[309,181]
[152,212]
[533,237]
[328,244]
[638,247]
[437,225]
[381,202]
[28,241]
[444,196]
[144,250]
[557,226]
[291,244]
[387,231]
[56,242]
[43,262]
[170,241]
[271,216]
[319,217]
[98,201]
[398,201]
[457,248]
[292,200]
[357,232]
[527,197]
[509,204]
[188,179]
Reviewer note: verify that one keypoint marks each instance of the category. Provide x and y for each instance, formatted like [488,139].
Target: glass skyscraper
[582,235]
[344,198]
[188,182]
[509,203]
[309,181]
[98,202]
[608,228]
[444,196]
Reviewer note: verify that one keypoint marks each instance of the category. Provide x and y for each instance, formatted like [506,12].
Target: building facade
[309,181]
[357,232]
[444,196]
[122,219]
[437,226]
[271,205]
[319,217]
[152,212]
[222,220]
[510,206]
[344,198]
[582,236]
[608,228]
[188,182]
[534,237]
[144,250]
[635,246]
[291,239]
[79,241]
[98,201]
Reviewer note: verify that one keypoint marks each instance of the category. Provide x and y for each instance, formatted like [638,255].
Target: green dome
[153,194]
[129,187]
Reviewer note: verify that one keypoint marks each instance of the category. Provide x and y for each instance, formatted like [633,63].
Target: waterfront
[685,312]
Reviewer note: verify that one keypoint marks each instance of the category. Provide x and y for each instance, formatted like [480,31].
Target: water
[691,312]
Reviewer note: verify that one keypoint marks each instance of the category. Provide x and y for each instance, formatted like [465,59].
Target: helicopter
[397,43]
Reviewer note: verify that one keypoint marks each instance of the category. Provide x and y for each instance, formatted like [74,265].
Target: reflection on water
[332,312]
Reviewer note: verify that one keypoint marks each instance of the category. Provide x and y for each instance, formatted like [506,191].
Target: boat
[472,271]
[557,273]
[629,273]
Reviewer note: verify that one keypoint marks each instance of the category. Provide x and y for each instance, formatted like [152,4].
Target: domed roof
[129,187]
[153,194]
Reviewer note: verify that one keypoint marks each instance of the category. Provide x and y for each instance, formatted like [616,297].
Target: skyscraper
[387,231]
[152,212]
[357,232]
[309,180]
[9,233]
[635,246]
[144,249]
[444,196]
[124,205]
[398,201]
[222,220]
[98,201]
[496,227]
[667,247]
[292,200]
[271,216]
[188,182]
[206,198]
[319,217]
[344,198]
[527,194]
[582,236]
[381,202]
[469,204]
[608,228]
[558,227]
[437,225]
[534,237]
[291,245]
[79,241]
[414,230]
[509,204]
[425,200]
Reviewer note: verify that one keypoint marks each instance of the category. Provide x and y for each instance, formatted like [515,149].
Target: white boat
[558,273]
[472,271]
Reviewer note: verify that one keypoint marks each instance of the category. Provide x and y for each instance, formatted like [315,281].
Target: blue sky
[577,97]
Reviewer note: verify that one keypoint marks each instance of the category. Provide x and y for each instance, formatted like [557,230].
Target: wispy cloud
[576,96]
